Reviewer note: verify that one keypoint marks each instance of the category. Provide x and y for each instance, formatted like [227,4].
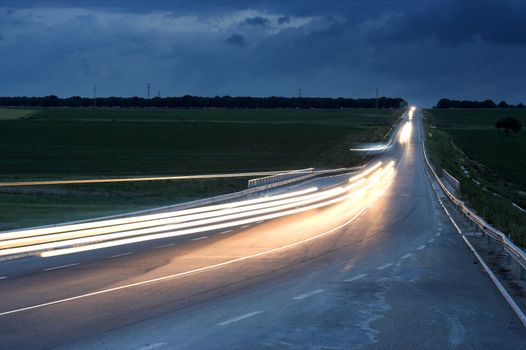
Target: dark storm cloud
[454,22]
[284,19]
[237,40]
[418,49]
[256,21]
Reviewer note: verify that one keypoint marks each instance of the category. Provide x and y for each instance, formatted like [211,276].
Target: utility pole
[159,93]
[149,90]
[299,93]
[377,97]
[95,96]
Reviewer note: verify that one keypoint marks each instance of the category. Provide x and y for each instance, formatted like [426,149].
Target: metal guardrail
[450,179]
[280,180]
[516,253]
[284,178]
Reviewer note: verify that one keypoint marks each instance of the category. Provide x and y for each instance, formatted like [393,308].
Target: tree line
[188,101]
[447,103]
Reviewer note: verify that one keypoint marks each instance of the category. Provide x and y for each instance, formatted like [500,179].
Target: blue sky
[421,50]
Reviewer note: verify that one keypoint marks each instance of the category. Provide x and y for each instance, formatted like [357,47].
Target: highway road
[382,270]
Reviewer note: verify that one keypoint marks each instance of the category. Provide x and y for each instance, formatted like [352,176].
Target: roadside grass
[12,113]
[489,165]
[62,143]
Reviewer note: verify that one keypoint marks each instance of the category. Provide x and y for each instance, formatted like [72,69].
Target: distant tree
[507,124]
[503,104]
[188,101]
[447,103]
[488,104]
[444,103]
[520,105]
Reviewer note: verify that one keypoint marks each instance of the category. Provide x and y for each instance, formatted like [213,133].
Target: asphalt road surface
[388,272]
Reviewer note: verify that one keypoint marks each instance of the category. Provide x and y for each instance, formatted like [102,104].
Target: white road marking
[3,277]
[245,226]
[239,318]
[421,247]
[60,267]
[309,294]
[355,278]
[227,231]
[437,234]
[407,256]
[384,266]
[119,255]
[152,346]
[191,272]
[199,238]
[431,240]
[164,245]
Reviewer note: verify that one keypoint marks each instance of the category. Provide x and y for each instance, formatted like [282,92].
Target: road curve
[389,273]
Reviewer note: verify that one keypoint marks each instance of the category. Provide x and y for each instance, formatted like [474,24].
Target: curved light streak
[160,228]
[200,222]
[365,172]
[188,219]
[113,222]
[387,172]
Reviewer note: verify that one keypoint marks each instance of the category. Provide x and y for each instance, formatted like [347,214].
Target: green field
[469,139]
[86,142]
[89,143]
[8,113]
[39,205]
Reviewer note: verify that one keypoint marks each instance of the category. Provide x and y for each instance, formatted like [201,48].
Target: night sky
[420,50]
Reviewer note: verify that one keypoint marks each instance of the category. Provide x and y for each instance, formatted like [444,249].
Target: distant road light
[405,135]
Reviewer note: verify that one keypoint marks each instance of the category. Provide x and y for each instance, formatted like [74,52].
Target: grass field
[32,206]
[494,164]
[76,142]
[86,143]
[9,113]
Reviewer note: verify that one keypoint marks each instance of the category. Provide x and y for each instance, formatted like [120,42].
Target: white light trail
[405,134]
[411,112]
[113,222]
[365,172]
[206,220]
[384,174]
[372,148]
[222,214]
[161,228]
